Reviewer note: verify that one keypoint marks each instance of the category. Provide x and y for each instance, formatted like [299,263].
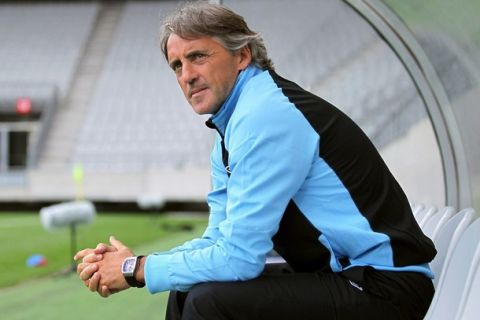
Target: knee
[203,302]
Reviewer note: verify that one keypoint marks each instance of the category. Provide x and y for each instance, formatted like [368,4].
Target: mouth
[194,91]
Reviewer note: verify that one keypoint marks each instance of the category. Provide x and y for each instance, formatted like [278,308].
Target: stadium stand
[28,108]
[38,62]
[133,125]
[70,117]
[44,41]
[122,117]
[131,137]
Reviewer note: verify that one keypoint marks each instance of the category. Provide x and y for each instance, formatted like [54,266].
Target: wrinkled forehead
[176,43]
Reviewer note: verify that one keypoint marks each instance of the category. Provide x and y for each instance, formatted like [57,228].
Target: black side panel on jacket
[297,242]
[357,163]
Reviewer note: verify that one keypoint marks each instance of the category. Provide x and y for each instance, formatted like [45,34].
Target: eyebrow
[189,55]
[195,52]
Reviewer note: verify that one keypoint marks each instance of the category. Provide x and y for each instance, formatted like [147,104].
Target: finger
[116,243]
[102,248]
[82,253]
[88,271]
[81,266]
[101,245]
[93,282]
[92,257]
[104,292]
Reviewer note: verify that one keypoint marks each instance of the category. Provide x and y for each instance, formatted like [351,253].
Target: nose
[189,74]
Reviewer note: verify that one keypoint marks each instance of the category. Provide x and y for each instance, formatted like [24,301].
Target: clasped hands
[100,268]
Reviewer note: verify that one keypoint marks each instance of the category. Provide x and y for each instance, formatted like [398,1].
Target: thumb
[116,243]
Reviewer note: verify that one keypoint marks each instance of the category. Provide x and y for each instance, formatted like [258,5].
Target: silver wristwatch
[129,269]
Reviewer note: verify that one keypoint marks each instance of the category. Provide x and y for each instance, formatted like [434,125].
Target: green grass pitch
[50,293]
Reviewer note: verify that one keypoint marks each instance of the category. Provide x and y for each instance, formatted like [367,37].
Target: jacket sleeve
[216,199]
[268,166]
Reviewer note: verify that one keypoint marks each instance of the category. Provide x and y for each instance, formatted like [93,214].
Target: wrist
[140,274]
[130,268]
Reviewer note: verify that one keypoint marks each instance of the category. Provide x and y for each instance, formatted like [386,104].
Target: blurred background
[90,110]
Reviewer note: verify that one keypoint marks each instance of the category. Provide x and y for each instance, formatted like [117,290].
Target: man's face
[205,70]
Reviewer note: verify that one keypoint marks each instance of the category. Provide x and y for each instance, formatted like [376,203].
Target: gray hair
[200,19]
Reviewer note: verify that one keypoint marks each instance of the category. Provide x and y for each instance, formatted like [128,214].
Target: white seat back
[424,215]
[434,224]
[453,282]
[416,208]
[470,308]
[446,239]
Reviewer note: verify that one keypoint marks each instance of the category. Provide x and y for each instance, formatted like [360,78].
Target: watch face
[128,266]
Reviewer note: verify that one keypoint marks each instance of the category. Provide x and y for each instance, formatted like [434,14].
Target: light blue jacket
[300,177]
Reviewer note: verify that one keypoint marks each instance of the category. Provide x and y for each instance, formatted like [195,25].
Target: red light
[24,105]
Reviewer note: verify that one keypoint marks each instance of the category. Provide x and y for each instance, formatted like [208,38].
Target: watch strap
[132,281]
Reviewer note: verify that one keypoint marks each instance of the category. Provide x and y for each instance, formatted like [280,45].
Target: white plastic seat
[424,215]
[470,308]
[416,207]
[446,239]
[453,282]
[437,221]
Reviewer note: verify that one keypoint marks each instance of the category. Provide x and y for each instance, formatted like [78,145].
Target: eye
[176,66]
[199,56]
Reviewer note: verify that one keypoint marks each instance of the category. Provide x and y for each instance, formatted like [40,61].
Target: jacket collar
[220,120]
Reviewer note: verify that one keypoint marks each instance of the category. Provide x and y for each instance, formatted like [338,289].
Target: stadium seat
[416,207]
[424,215]
[470,308]
[132,125]
[454,281]
[433,225]
[446,239]
[50,56]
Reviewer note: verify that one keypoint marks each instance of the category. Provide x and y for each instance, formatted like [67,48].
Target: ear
[245,57]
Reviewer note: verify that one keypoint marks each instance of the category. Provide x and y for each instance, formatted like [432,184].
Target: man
[290,172]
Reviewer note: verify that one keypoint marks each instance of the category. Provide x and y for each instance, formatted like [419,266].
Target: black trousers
[359,293]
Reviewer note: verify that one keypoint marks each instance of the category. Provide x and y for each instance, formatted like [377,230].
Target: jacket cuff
[156,273]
